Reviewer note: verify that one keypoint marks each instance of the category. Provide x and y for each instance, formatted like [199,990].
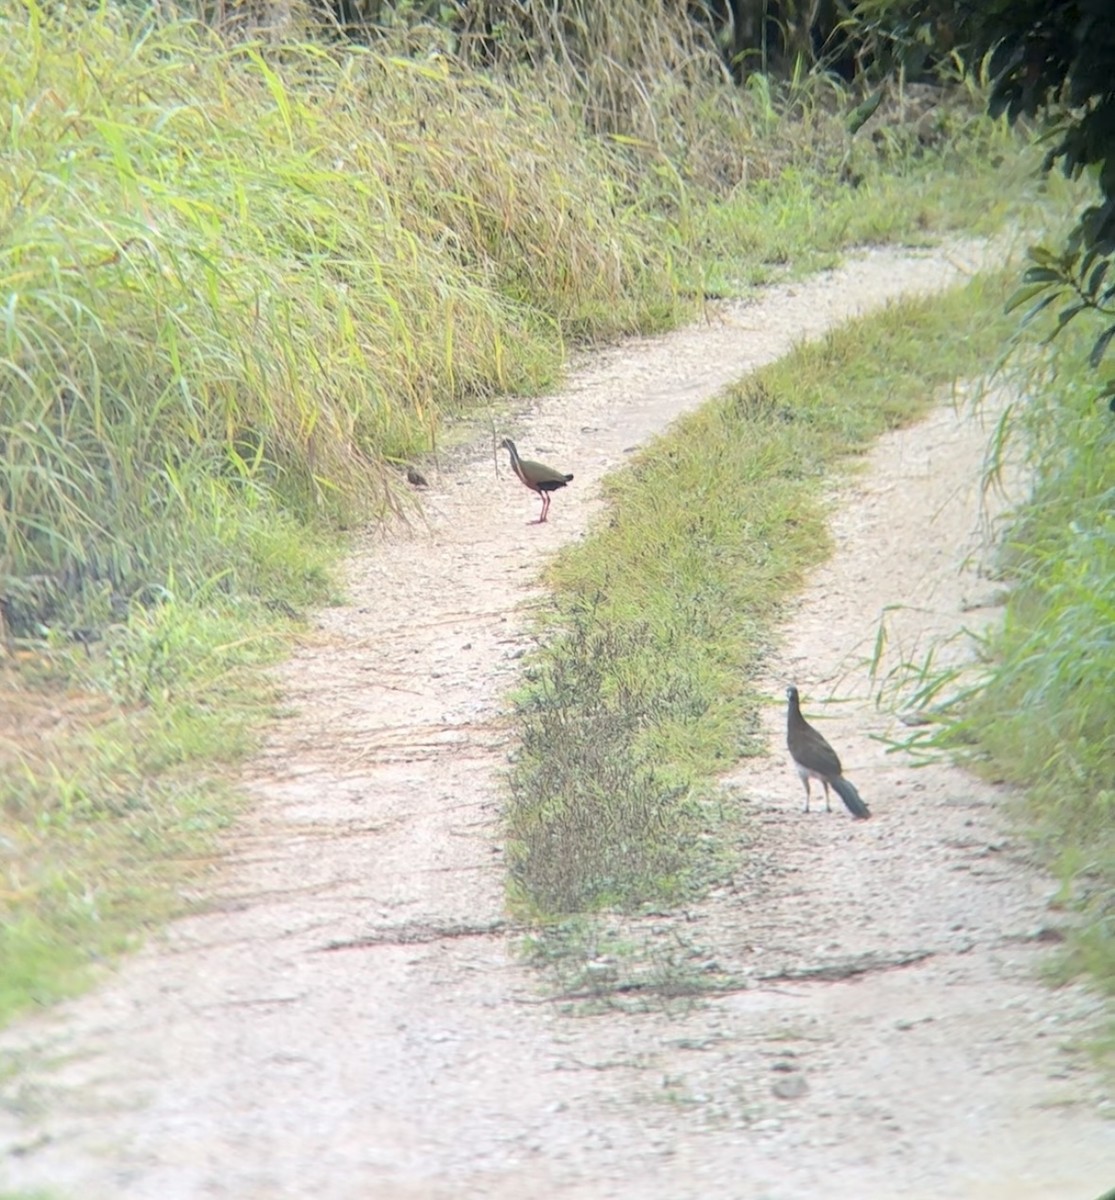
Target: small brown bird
[816,759]
[415,478]
[536,476]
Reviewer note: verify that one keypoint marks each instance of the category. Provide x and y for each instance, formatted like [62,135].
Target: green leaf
[1041,305]
[1066,315]
[1043,275]
[1097,278]
[862,113]
[1026,292]
[1042,255]
[1100,349]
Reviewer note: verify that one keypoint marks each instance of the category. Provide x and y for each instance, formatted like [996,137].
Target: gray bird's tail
[851,798]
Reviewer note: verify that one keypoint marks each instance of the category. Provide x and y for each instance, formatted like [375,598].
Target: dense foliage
[1054,62]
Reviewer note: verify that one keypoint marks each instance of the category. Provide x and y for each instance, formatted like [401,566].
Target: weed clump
[598,817]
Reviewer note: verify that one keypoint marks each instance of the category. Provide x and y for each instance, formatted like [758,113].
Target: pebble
[790,1088]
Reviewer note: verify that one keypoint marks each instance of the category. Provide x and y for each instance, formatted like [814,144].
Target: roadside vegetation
[1045,713]
[246,281]
[1037,710]
[1041,714]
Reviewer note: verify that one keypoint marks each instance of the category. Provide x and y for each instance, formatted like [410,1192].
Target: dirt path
[240,1057]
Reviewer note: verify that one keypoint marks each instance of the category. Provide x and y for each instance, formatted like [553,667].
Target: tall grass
[1044,711]
[236,277]
[246,277]
[662,616]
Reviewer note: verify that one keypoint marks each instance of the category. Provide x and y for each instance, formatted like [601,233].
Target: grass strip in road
[639,695]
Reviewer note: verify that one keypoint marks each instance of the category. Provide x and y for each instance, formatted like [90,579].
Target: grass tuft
[103,810]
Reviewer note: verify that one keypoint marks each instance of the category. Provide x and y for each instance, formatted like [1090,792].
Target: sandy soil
[239,1056]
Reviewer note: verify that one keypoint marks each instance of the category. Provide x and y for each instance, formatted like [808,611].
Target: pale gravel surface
[236,1057]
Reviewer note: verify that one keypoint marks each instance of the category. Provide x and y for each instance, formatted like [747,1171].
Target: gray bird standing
[537,476]
[816,759]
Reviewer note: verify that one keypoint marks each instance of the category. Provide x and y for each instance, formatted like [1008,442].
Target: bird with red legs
[537,476]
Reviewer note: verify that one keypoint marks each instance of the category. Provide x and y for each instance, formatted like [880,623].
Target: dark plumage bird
[816,759]
[536,476]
